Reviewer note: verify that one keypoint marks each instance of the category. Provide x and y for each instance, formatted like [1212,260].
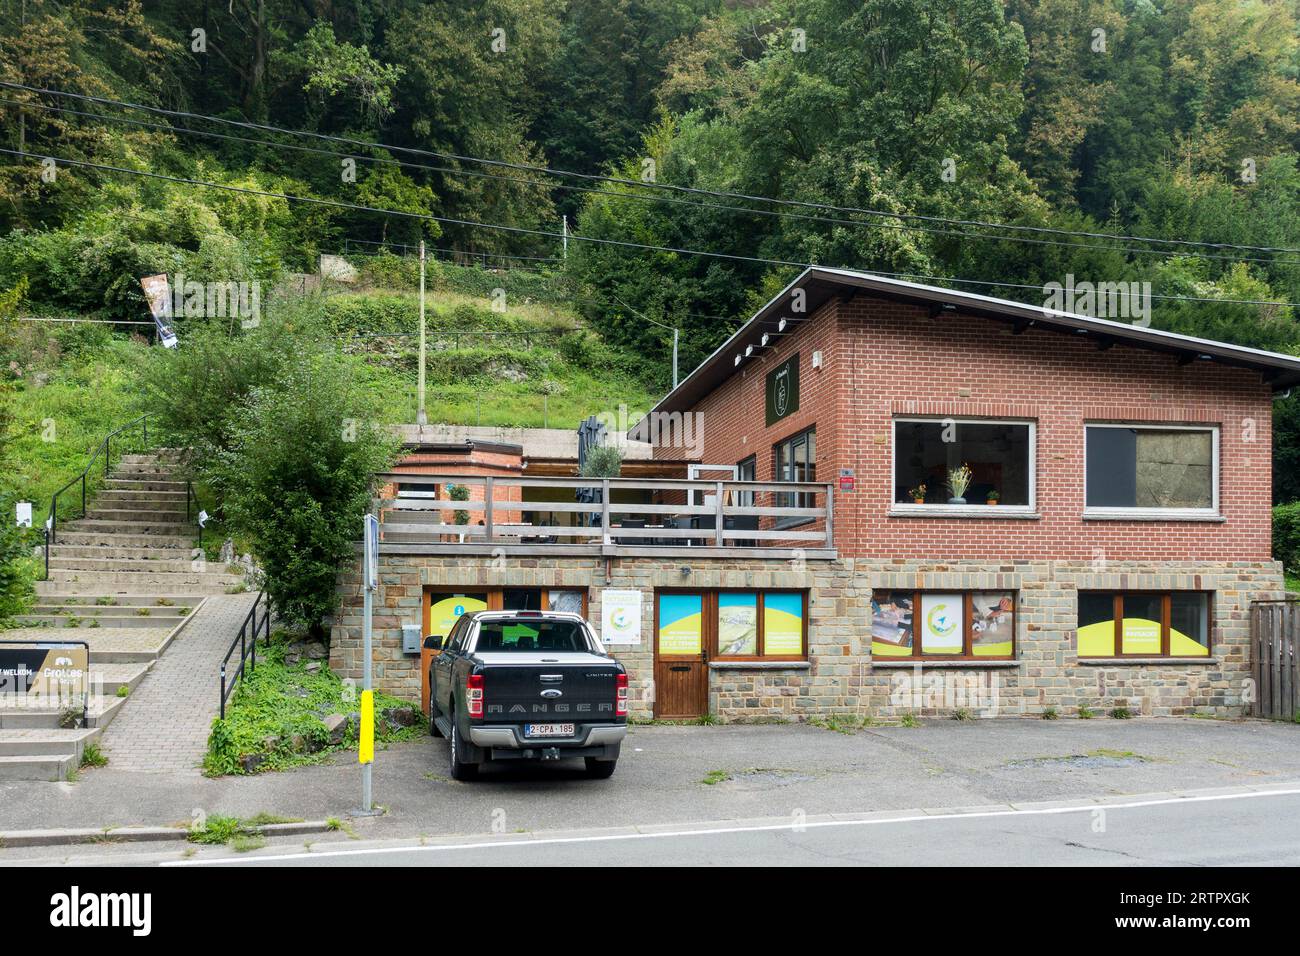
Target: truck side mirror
[433,642]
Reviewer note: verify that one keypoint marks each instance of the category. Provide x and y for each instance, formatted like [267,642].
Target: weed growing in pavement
[1049,713]
[92,756]
[1121,713]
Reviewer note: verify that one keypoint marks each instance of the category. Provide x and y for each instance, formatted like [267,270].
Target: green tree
[298,477]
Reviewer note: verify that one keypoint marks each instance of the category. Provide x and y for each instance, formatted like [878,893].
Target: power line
[522,230]
[388,160]
[548,171]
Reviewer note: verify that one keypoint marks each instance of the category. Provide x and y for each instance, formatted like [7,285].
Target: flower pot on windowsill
[956,501]
[918,501]
[992,501]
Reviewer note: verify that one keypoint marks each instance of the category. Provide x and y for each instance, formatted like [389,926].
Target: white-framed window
[998,458]
[1151,470]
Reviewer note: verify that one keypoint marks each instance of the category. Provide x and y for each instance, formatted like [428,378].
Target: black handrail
[192,495]
[85,686]
[246,641]
[105,446]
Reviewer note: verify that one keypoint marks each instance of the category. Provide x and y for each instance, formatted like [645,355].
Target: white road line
[757,828]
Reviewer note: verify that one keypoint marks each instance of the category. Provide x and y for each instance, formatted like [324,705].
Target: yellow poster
[783,625]
[681,619]
[444,613]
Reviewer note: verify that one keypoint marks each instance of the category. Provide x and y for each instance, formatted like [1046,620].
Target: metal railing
[760,517]
[200,515]
[105,447]
[246,641]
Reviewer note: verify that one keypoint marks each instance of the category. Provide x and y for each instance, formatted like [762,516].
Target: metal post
[83,494]
[565,235]
[674,358]
[421,417]
[47,554]
[367,802]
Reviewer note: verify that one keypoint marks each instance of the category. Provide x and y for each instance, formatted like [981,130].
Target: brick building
[910,499]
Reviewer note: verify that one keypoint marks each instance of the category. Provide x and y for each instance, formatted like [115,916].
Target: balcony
[607,517]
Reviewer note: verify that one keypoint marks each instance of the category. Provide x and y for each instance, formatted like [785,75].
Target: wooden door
[681,661]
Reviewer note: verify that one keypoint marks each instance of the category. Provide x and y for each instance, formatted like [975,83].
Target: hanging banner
[159,296]
[783,390]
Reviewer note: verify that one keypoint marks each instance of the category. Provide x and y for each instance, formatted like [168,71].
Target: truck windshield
[533,636]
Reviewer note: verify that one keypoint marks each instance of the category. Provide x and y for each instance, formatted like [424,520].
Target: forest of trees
[897,130]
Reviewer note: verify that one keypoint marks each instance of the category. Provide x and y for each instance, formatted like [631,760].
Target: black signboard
[783,389]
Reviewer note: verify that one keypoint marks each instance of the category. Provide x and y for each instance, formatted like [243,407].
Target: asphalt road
[1203,829]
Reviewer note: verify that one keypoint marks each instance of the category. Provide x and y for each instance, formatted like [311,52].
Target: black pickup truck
[526,685]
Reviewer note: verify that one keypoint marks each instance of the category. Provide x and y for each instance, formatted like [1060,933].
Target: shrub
[297,476]
[1286,536]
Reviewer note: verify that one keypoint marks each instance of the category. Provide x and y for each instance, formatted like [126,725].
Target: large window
[996,459]
[973,625]
[1144,624]
[795,459]
[733,625]
[1152,468]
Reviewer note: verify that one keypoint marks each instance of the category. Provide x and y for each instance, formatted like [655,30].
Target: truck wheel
[459,771]
[600,769]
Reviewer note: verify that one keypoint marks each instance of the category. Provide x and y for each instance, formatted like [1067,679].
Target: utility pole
[674,356]
[564,233]
[421,418]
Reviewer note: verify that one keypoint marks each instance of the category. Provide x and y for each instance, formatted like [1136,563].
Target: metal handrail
[246,641]
[85,687]
[191,495]
[105,446]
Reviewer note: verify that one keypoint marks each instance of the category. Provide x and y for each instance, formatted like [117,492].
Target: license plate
[548,730]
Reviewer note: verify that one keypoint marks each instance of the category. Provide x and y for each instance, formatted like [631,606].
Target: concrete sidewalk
[762,771]
[164,727]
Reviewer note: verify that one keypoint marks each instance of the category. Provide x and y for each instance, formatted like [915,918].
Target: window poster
[681,625]
[782,624]
[941,630]
[993,630]
[891,624]
[446,610]
[620,615]
[737,624]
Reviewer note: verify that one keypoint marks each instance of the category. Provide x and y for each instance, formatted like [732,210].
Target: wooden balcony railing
[545,516]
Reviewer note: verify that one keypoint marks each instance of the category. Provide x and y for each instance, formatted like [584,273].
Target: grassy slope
[81,379]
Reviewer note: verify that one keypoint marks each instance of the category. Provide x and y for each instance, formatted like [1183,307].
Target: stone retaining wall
[839,677]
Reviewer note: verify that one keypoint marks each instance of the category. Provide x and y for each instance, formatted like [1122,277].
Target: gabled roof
[821,284]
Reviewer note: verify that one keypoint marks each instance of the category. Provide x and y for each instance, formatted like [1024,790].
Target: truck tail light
[620,695]
[474,695]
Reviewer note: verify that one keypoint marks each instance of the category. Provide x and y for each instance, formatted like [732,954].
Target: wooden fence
[1275,658]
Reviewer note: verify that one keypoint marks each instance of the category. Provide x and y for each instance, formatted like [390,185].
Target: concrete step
[171,528]
[141,579]
[44,742]
[172,608]
[117,601]
[98,716]
[148,496]
[166,513]
[95,617]
[121,554]
[149,457]
[37,768]
[90,589]
[109,539]
[144,484]
[152,565]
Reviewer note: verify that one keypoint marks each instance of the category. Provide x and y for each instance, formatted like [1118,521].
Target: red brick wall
[883,358]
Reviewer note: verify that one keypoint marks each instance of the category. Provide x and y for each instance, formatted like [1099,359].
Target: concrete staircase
[125,578]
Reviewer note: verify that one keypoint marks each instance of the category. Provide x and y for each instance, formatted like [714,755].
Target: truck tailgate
[567,687]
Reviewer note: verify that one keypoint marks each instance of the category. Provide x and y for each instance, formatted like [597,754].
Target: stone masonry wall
[839,677]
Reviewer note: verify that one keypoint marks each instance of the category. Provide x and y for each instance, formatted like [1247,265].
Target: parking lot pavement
[757,771]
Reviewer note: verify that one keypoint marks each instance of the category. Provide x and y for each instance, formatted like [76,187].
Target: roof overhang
[820,285]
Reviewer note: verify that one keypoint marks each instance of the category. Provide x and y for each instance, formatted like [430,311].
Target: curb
[70,837]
